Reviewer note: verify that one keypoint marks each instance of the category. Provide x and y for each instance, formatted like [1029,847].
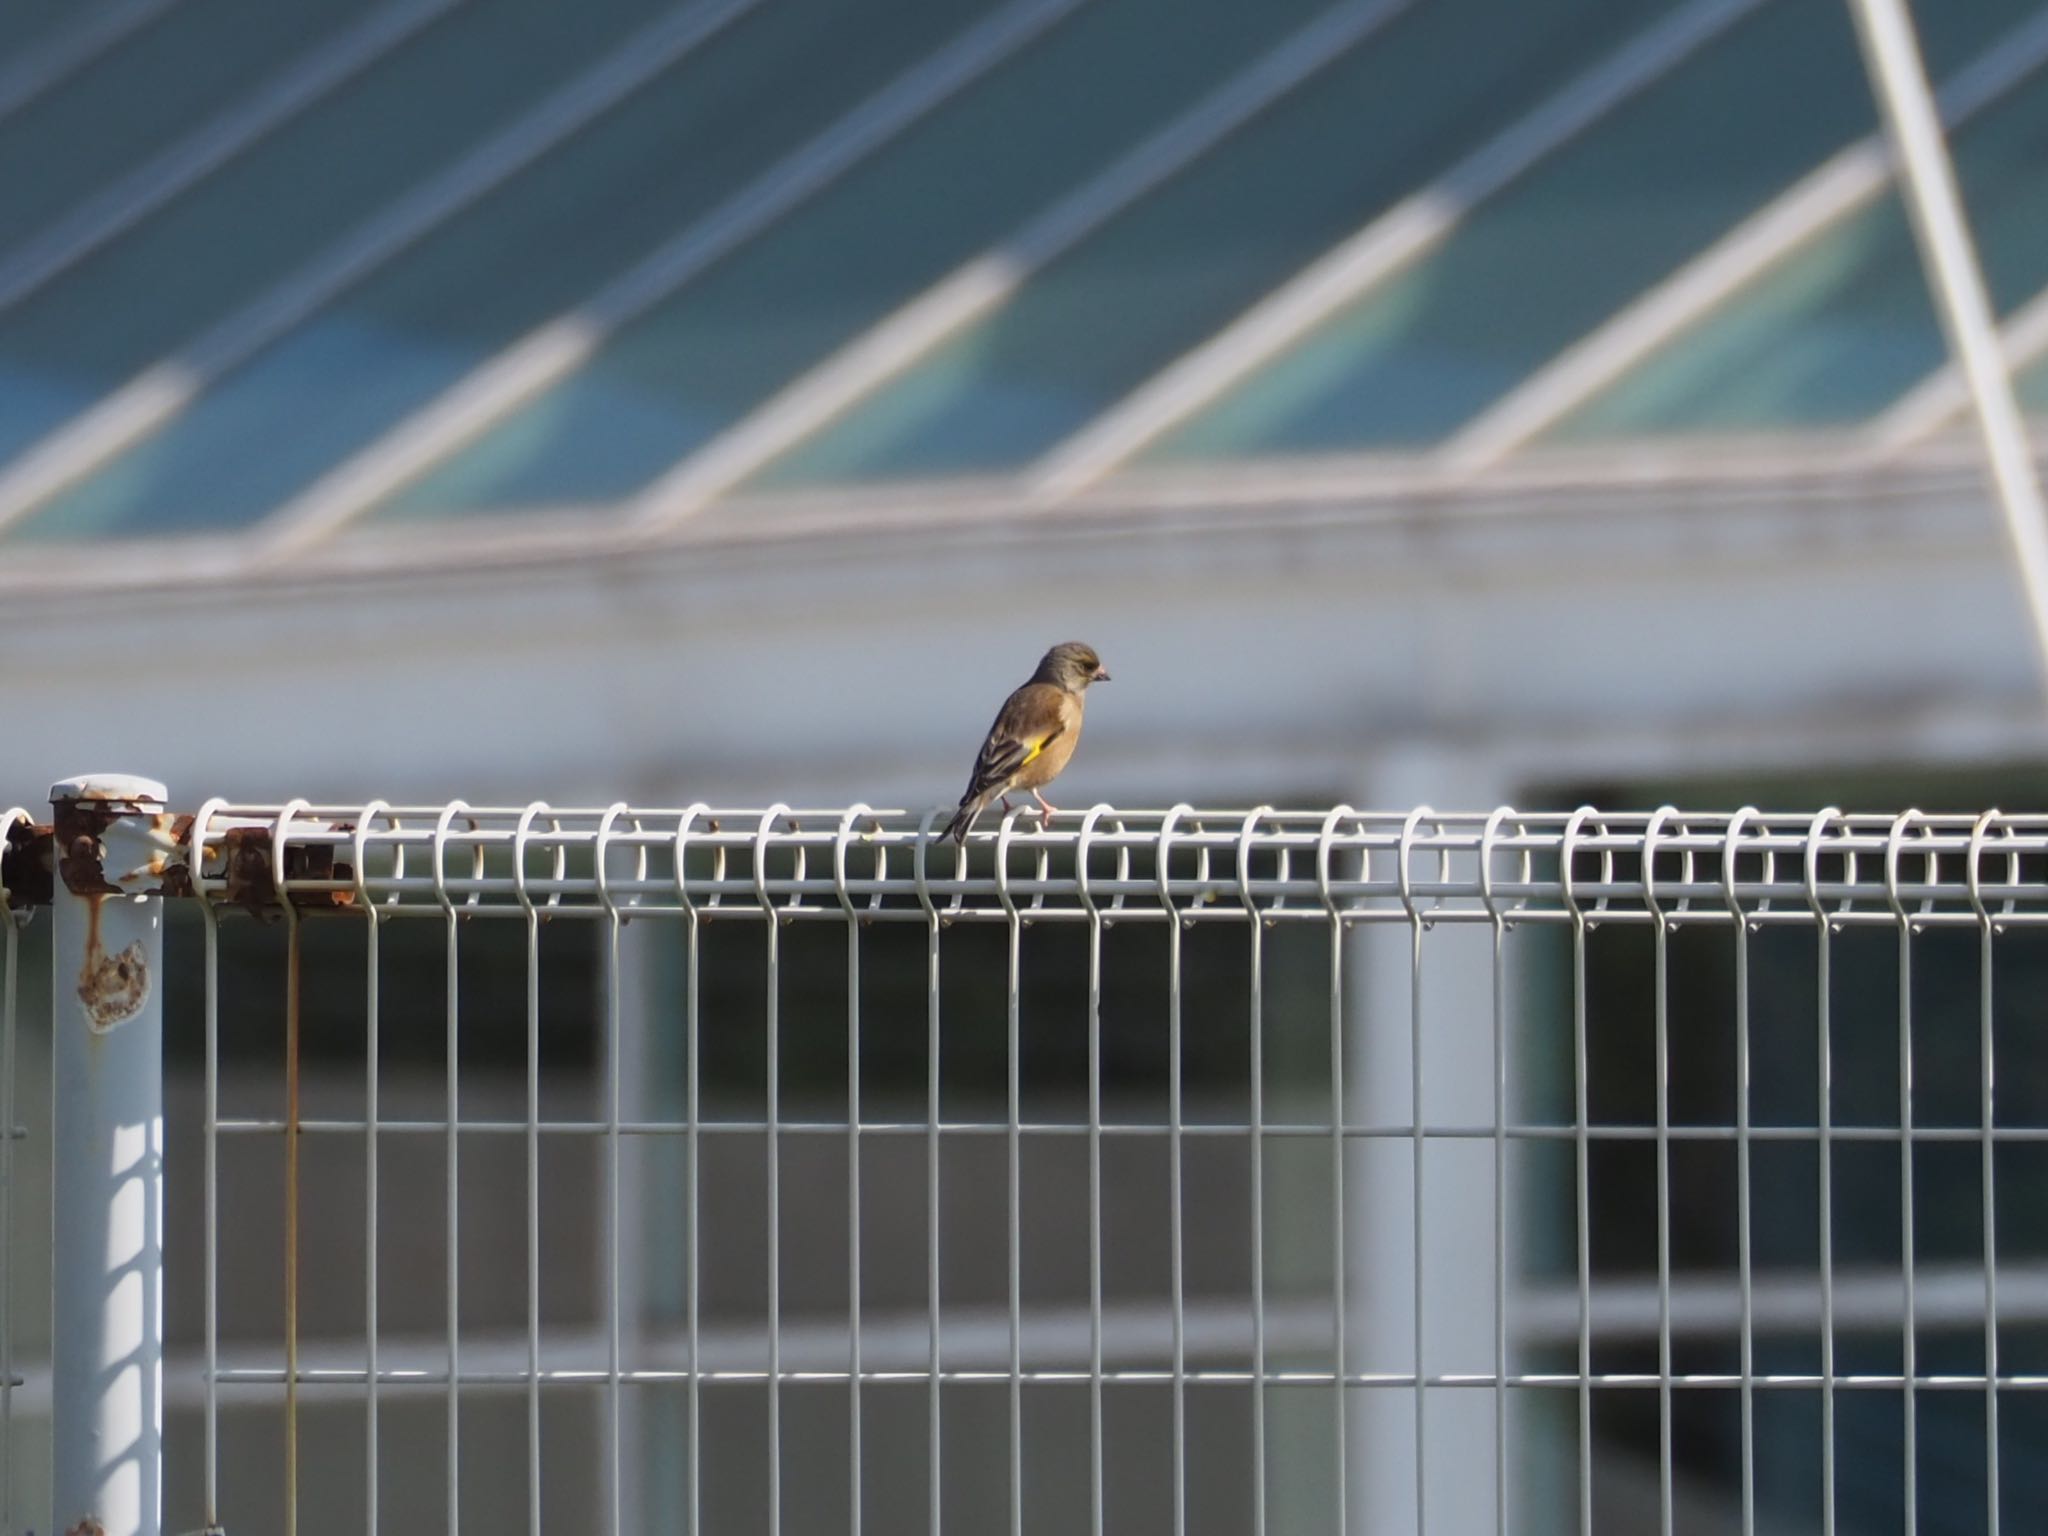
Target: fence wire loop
[1489,843]
[1974,873]
[1410,825]
[846,822]
[1246,833]
[1325,843]
[1163,862]
[443,826]
[1731,858]
[1894,847]
[1816,833]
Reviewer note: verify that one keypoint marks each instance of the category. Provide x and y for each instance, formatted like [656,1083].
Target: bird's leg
[1045,810]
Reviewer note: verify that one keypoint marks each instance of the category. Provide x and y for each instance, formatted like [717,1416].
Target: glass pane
[264,215]
[194,60]
[28,24]
[953,184]
[536,245]
[1536,267]
[1845,325]
[1261,205]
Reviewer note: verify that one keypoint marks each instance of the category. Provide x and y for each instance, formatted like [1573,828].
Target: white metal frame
[1400,874]
[1948,251]
[1829,194]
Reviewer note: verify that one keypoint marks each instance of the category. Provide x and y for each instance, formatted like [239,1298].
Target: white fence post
[107,1333]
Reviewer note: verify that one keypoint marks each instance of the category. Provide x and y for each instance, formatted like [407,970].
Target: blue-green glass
[1535,267]
[2032,384]
[163,80]
[26,24]
[1181,262]
[537,245]
[998,152]
[1843,326]
[259,219]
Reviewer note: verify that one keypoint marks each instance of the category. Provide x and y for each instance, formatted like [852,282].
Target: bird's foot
[1045,809]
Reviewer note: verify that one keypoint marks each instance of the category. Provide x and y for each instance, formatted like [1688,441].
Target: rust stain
[28,865]
[112,987]
[86,1527]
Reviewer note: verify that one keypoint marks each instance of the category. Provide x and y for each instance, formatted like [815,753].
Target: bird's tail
[971,807]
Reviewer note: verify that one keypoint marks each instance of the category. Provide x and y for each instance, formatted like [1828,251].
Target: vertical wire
[1258,1182]
[293,949]
[454,1109]
[532,1220]
[1339,1222]
[1824,1028]
[1500,1227]
[935,1486]
[1014,1134]
[10,960]
[1176,1235]
[1909,1340]
[1416,1132]
[1666,1514]
[1985,933]
[853,1362]
[614,1232]
[1095,1423]
[774,1032]
[693,1125]
[211,1009]
[371,1111]
[1582,1145]
[1744,1254]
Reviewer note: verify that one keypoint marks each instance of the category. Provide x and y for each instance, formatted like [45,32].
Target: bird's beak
[1101,675]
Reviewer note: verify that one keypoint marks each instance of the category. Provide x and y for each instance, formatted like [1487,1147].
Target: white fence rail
[1394,1160]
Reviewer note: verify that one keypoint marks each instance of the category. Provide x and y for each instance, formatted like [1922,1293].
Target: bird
[1034,734]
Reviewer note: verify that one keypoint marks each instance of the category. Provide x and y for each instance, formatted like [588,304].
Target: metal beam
[1384,247]
[990,279]
[1837,188]
[1899,79]
[1944,394]
[552,351]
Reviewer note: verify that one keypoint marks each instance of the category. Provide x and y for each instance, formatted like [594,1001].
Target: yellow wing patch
[1043,741]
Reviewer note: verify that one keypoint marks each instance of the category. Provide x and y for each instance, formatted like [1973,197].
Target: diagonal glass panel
[260,217]
[26,24]
[1180,263]
[1845,325]
[947,189]
[536,244]
[163,80]
[1556,253]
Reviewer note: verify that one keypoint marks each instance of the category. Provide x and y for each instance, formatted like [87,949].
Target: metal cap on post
[112,841]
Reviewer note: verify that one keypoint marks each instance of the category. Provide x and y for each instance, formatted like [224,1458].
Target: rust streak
[112,987]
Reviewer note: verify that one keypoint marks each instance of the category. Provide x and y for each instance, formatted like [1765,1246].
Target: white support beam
[1944,394]
[157,395]
[985,282]
[1846,182]
[1899,78]
[554,350]
[1383,248]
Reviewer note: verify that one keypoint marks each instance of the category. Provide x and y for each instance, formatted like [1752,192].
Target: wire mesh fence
[1149,1171]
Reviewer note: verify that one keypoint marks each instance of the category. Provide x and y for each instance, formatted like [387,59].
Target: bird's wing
[1030,721]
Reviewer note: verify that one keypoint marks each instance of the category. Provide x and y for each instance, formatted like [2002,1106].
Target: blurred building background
[1449,401]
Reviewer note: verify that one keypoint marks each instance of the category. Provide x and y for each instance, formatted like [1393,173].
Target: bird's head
[1072,666]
